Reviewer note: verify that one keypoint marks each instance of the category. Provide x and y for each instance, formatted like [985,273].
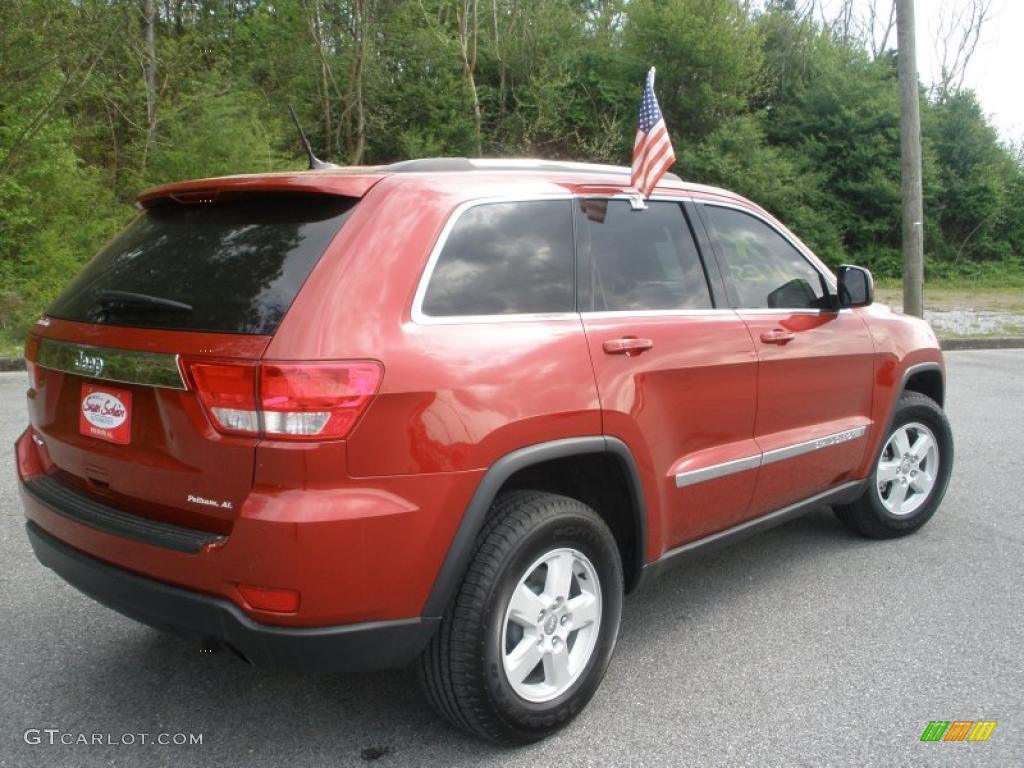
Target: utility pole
[910,161]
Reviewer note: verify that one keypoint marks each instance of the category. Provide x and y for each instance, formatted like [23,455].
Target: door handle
[628,345]
[777,336]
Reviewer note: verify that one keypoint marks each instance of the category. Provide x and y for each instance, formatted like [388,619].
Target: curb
[1009,342]
[948,345]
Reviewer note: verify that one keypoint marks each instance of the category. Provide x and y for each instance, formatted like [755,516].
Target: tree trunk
[149,73]
[468,31]
[314,21]
[357,122]
[502,68]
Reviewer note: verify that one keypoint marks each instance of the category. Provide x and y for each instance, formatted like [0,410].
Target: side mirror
[856,287]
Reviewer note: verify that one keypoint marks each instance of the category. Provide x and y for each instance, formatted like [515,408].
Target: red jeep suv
[450,411]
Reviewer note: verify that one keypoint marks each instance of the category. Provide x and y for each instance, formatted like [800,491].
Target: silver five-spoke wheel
[907,469]
[551,625]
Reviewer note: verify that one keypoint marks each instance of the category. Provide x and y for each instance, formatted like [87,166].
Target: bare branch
[880,26]
[956,41]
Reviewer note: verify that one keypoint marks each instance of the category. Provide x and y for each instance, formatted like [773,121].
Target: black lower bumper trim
[57,497]
[199,617]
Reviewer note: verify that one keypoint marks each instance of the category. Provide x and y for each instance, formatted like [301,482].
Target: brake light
[292,401]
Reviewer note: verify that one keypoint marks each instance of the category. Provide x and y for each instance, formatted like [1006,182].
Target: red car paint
[359,527]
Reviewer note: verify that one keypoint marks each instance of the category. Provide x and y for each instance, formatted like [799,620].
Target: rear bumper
[203,618]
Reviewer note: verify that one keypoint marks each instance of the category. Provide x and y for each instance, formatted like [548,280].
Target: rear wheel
[526,641]
[910,474]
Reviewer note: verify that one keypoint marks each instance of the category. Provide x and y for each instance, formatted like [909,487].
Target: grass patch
[995,287]
[11,348]
[946,296]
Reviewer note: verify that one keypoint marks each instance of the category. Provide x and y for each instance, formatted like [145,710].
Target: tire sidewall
[578,532]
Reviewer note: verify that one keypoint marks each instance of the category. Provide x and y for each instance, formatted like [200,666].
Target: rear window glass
[230,267]
[504,259]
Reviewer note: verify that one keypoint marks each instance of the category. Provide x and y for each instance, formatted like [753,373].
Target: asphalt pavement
[803,646]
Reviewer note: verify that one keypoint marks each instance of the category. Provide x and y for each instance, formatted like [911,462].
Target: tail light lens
[35,373]
[322,400]
[293,401]
[228,390]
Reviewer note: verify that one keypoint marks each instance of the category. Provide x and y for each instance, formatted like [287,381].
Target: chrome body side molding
[726,468]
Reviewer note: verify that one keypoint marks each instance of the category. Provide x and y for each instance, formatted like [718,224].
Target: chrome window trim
[805,252]
[734,466]
[421,318]
[791,311]
[620,313]
[122,366]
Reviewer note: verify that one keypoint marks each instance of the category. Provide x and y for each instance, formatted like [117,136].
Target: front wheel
[910,474]
[526,641]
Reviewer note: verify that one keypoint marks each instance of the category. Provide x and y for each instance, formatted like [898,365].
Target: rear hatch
[142,366]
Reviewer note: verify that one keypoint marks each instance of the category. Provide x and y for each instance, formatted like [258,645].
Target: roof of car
[358,179]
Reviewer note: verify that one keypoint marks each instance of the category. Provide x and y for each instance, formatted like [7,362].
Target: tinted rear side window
[232,267]
[640,260]
[503,259]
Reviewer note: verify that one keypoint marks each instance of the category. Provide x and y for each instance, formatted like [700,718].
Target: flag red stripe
[652,156]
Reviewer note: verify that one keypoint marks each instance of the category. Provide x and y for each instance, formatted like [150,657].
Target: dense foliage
[100,98]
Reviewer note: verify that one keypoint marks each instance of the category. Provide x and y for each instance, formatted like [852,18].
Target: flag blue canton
[650,113]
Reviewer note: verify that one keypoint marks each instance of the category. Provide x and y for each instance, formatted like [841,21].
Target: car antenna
[315,163]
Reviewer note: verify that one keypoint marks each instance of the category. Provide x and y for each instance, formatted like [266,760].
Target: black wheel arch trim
[459,552]
[908,373]
[912,370]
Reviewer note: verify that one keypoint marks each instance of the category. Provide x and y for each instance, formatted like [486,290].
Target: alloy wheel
[551,625]
[907,469]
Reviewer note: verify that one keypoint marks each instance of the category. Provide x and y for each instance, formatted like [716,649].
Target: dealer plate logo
[104,410]
[106,413]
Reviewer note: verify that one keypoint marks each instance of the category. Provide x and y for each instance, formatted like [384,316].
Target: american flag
[652,150]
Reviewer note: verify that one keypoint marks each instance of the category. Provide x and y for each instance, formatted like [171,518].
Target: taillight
[35,373]
[228,390]
[315,400]
[292,401]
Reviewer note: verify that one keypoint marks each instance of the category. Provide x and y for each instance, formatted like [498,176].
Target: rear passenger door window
[638,260]
[764,270]
[505,258]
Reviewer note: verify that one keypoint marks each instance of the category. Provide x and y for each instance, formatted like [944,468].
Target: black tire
[867,515]
[461,670]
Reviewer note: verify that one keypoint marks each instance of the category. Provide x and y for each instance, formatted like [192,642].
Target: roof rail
[450,164]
